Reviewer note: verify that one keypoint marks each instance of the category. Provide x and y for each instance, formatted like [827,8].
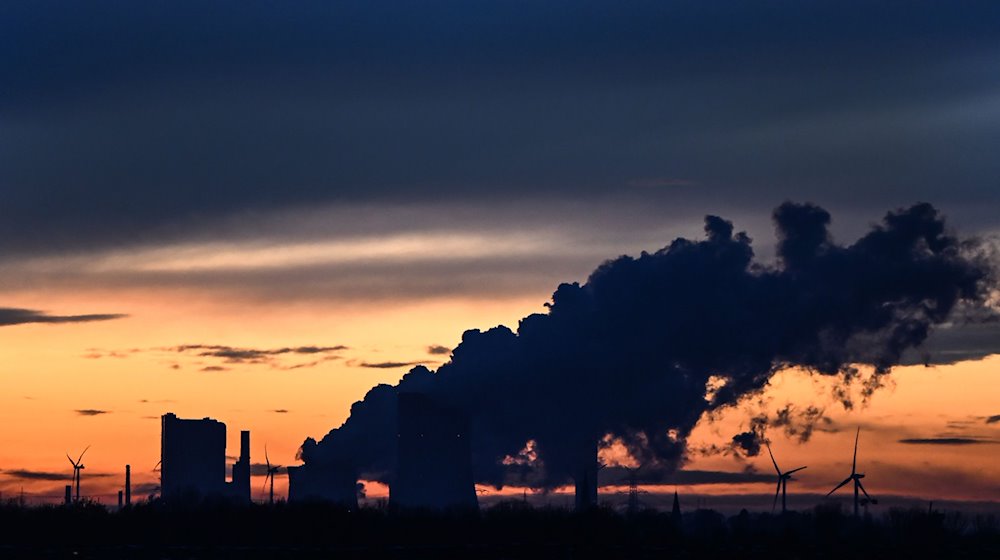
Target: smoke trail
[648,344]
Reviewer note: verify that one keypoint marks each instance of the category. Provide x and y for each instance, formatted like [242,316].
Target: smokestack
[69,494]
[128,485]
[245,445]
[241,470]
[121,499]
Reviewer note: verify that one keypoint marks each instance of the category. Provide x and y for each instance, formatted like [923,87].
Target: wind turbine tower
[270,475]
[783,478]
[77,467]
[856,477]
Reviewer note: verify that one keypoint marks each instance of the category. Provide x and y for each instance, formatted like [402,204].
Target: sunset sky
[258,211]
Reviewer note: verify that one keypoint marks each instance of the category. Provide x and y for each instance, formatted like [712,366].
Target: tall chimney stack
[245,445]
[240,487]
[69,493]
[128,485]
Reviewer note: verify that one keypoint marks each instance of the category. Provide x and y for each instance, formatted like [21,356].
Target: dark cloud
[387,364]
[649,344]
[619,476]
[251,355]
[957,343]
[280,411]
[91,412]
[27,474]
[327,103]
[145,488]
[260,469]
[271,357]
[993,419]
[945,441]
[17,316]
[438,350]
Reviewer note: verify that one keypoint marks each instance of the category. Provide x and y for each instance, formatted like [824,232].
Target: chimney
[69,493]
[128,485]
[245,445]
[120,499]
[240,487]
[675,513]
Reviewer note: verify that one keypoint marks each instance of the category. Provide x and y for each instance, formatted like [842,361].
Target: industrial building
[317,482]
[193,461]
[434,459]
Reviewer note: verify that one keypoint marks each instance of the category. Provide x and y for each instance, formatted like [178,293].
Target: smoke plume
[648,344]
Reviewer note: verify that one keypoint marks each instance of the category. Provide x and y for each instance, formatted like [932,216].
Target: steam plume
[633,352]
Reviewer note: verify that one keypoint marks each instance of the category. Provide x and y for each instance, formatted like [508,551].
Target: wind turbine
[270,474]
[856,477]
[77,467]
[783,478]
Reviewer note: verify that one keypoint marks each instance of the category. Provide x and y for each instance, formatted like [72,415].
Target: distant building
[316,482]
[193,461]
[434,469]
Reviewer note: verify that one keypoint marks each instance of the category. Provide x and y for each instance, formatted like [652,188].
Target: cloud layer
[137,127]
[16,316]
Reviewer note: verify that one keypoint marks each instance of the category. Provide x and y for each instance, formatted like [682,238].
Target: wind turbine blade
[82,454]
[776,492]
[862,487]
[854,465]
[772,459]
[71,460]
[795,470]
[839,486]
[264,487]
[266,458]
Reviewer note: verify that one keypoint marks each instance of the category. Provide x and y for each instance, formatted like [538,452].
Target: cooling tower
[434,468]
[316,482]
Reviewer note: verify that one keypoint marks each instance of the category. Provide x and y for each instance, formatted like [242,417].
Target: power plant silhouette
[434,469]
[659,321]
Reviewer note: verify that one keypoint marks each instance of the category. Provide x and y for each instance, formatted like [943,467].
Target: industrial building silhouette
[433,464]
[193,461]
[318,482]
[434,456]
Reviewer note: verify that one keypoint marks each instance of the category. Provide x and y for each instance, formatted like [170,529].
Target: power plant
[318,482]
[193,461]
[434,457]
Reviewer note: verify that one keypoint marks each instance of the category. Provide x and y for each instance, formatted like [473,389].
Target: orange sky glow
[124,374]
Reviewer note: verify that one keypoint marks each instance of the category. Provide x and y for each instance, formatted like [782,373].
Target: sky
[257,211]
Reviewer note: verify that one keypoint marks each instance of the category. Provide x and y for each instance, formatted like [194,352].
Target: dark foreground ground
[510,530]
